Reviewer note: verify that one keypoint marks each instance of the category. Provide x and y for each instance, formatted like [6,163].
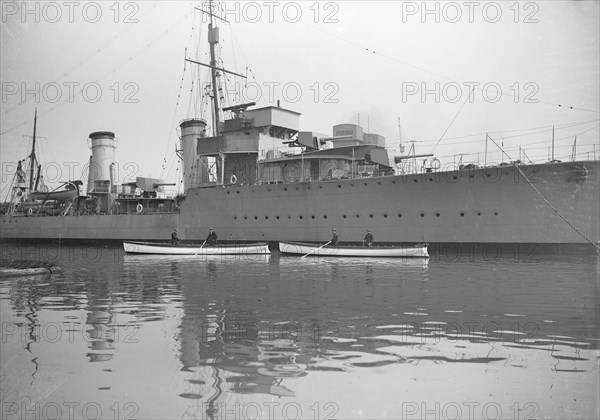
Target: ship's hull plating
[487,205]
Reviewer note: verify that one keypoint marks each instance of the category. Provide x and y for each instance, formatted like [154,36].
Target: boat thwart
[301,248]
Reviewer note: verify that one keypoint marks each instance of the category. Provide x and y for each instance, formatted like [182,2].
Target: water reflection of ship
[26,295]
[231,351]
[100,319]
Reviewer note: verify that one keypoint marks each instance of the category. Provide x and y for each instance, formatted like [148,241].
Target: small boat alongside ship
[307,249]
[22,268]
[195,249]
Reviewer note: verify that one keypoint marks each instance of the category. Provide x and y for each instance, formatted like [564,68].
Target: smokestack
[191,131]
[103,156]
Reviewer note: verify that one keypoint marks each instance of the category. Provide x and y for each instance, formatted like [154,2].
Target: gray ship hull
[103,227]
[485,205]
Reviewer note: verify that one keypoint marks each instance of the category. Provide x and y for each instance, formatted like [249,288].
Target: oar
[200,247]
[316,249]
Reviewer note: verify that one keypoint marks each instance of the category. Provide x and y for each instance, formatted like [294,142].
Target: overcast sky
[347,58]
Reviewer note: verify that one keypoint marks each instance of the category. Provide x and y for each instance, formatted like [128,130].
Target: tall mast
[213,39]
[32,155]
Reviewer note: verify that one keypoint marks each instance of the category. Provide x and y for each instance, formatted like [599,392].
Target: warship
[257,177]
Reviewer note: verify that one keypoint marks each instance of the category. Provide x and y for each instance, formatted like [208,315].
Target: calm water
[119,336]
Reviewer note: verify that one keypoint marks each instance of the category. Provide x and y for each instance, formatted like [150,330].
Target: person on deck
[368,241]
[334,239]
[174,237]
[211,239]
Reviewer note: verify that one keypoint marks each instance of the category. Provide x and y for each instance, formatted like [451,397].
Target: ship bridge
[231,157]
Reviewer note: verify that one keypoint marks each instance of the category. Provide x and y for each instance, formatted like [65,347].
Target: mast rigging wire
[554,209]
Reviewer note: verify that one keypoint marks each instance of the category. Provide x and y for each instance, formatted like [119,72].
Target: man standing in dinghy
[211,239]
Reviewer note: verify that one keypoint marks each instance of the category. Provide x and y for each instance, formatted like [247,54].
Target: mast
[213,39]
[400,136]
[552,143]
[32,155]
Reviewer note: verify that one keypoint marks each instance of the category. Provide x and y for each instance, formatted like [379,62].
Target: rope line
[556,211]
[450,125]
[389,57]
[546,201]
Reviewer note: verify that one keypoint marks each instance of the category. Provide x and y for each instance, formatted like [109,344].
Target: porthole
[399,215]
[371,216]
[266,217]
[312,217]
[238,191]
[300,217]
[478,213]
[245,217]
[289,217]
[255,217]
[496,213]
[352,184]
[422,214]
[462,214]
[324,216]
[358,216]
[393,182]
[228,193]
[437,215]
[430,179]
[415,180]
[379,182]
[285,189]
[234,217]
[277,217]
[344,216]
[339,186]
[385,215]
[320,187]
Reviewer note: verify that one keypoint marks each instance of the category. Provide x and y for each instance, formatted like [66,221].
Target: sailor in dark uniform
[334,239]
[368,241]
[174,237]
[211,239]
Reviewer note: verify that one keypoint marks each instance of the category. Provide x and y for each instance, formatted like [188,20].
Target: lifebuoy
[233,179]
[139,208]
[30,211]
